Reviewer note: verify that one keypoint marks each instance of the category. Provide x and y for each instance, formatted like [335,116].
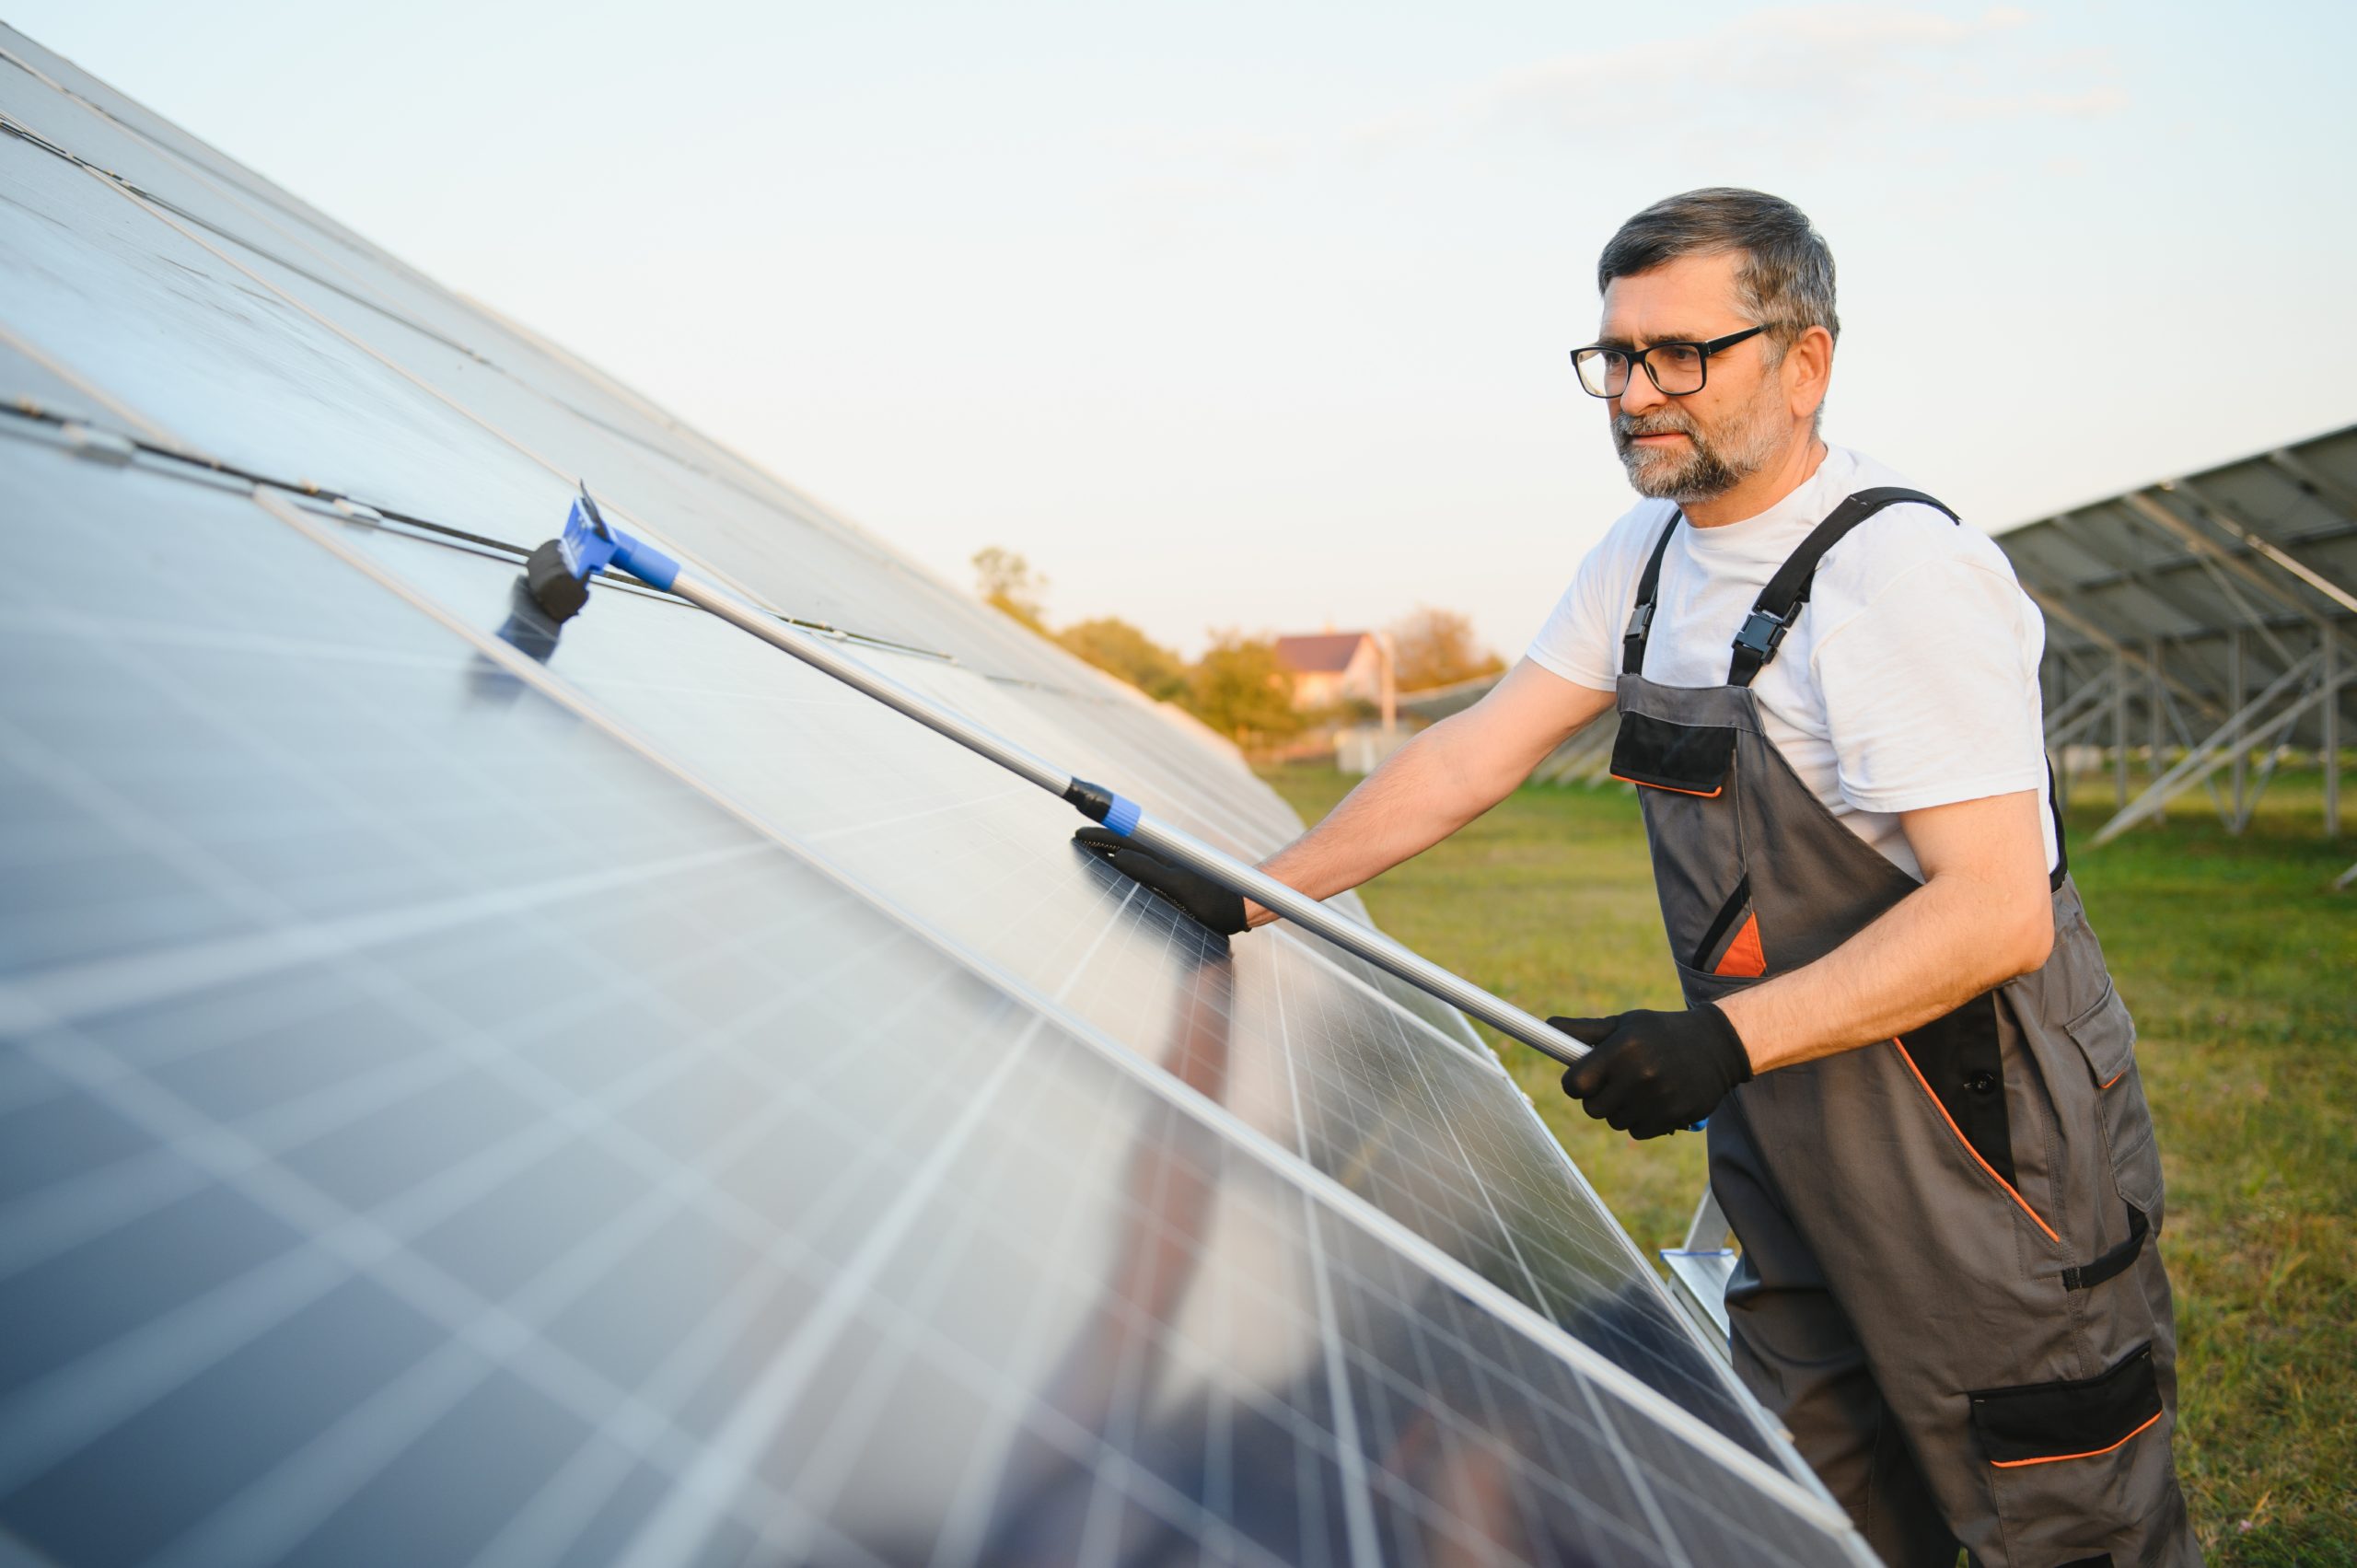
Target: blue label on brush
[584,545]
[590,544]
[1123,815]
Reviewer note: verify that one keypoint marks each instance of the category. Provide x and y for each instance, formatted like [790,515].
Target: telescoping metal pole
[590,544]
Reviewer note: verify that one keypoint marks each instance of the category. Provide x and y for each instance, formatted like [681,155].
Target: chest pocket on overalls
[1689,759]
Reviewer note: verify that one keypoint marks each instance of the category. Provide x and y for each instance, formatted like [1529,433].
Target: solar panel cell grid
[1421,1123]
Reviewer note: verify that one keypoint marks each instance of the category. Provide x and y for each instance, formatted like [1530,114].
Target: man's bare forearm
[1984,916]
[1434,784]
[1925,958]
[1410,803]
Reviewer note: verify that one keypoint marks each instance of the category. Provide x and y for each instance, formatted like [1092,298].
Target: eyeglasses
[1677,368]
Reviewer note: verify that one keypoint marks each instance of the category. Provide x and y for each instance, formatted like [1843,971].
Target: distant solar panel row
[2154,562]
[658,1107]
[2205,618]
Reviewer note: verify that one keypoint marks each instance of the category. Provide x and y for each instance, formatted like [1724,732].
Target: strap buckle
[1640,619]
[1762,634]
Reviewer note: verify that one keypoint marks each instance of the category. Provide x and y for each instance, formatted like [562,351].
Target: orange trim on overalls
[2057,1459]
[1968,1149]
[1673,789]
[1744,955]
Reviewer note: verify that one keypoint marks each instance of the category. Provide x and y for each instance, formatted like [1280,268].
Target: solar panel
[653,1105]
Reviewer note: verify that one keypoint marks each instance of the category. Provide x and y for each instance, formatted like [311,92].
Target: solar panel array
[2204,620]
[2182,560]
[463,1101]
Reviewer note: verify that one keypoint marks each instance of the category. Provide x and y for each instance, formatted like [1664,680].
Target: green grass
[2241,967]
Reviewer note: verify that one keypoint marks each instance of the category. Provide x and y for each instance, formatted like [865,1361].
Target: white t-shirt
[1909,679]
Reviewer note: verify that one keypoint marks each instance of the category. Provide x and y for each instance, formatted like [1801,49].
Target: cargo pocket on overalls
[2106,1037]
[1956,1061]
[2066,1453]
[1689,759]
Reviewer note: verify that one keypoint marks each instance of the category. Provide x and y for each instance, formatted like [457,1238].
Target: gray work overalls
[1950,1290]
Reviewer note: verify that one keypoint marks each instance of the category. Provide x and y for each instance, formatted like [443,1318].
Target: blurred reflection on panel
[1112,1368]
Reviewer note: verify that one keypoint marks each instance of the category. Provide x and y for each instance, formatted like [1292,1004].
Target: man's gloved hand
[1220,908]
[1653,1073]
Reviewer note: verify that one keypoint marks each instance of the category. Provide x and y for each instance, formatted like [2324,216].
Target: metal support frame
[2067,716]
[1588,753]
[2093,718]
[2296,691]
[2329,493]
[2235,696]
[2275,594]
[2184,738]
[2075,715]
[2265,777]
[2055,607]
[2119,725]
[2330,738]
[2225,519]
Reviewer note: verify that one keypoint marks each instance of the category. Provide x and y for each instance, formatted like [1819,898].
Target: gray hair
[1787,271]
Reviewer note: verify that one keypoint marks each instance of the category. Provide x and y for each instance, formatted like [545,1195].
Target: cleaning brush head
[557,574]
[552,584]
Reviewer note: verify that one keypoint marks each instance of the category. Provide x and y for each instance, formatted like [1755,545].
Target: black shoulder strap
[2062,847]
[1787,591]
[1641,618]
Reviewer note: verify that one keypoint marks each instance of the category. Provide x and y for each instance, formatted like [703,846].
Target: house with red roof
[1330,668]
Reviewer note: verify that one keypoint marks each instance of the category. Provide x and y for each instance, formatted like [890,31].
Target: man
[1925,1122]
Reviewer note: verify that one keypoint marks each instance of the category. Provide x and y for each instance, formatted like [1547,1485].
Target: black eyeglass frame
[1638,358]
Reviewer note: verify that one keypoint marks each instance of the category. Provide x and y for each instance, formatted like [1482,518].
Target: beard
[1711,463]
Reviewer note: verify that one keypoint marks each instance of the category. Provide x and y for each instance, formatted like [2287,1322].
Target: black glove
[1220,908]
[1655,1073]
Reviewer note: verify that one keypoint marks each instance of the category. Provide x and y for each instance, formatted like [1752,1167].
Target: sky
[1255,316]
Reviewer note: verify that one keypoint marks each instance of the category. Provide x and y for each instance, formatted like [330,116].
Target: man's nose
[1640,396]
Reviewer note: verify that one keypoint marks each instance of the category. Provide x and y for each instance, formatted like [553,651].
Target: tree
[1008,584]
[1122,651]
[1436,648]
[1240,690]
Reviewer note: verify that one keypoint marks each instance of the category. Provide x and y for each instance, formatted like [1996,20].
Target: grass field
[2241,967]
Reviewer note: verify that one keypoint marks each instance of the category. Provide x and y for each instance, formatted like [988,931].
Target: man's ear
[1807,371]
